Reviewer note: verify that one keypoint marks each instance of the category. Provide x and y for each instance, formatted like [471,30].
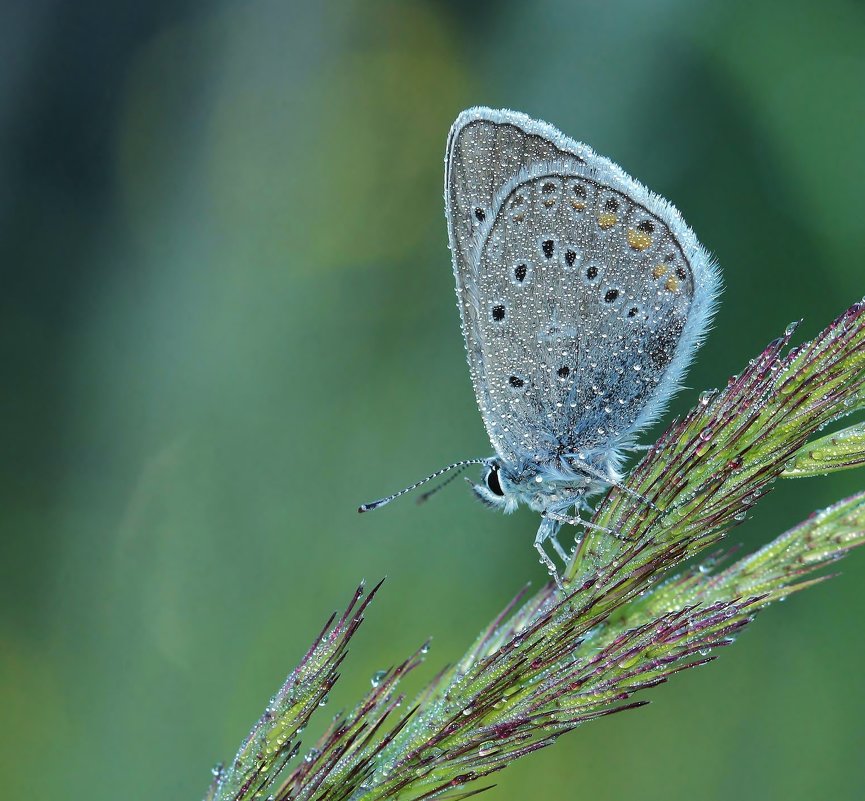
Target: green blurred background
[228,318]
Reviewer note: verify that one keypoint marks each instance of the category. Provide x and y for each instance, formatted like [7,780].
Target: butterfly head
[497,488]
[540,486]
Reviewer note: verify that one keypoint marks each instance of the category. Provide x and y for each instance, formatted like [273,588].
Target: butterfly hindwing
[582,294]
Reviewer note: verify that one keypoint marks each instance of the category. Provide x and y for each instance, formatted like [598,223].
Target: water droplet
[488,748]
[468,710]
[740,516]
[432,753]
[378,677]
[312,755]
[324,699]
[707,396]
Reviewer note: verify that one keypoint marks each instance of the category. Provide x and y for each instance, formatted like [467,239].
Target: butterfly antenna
[368,507]
[429,493]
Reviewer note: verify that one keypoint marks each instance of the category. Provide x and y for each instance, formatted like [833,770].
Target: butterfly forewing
[576,288]
[484,152]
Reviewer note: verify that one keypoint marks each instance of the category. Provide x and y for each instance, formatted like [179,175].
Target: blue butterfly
[583,297]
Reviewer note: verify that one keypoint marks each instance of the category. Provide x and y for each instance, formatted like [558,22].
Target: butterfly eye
[492,481]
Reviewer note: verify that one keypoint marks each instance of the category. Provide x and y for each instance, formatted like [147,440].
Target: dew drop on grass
[488,749]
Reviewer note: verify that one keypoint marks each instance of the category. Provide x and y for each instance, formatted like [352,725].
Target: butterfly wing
[582,295]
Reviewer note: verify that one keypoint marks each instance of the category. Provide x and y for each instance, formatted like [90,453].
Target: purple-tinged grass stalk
[548,663]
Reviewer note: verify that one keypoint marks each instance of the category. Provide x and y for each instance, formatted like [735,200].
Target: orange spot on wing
[639,240]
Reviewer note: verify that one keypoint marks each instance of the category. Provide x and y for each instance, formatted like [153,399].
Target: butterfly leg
[576,521]
[557,547]
[583,466]
[548,530]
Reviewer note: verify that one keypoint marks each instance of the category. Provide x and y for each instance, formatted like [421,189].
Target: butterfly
[583,297]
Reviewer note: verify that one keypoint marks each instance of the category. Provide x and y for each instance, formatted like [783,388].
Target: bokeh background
[227,318]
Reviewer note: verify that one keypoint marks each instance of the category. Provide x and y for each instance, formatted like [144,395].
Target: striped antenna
[368,507]
[425,496]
